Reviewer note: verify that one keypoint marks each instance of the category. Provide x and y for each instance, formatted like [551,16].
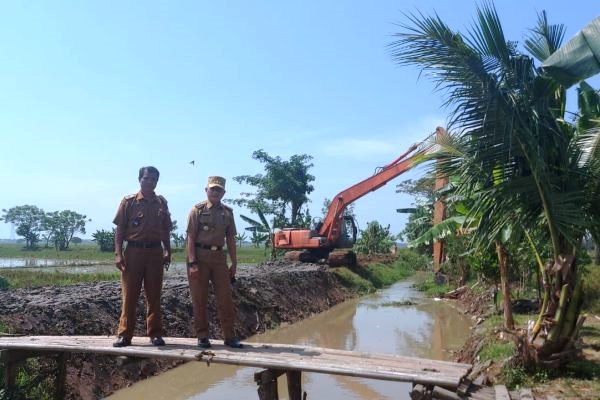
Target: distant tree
[105,239]
[375,239]
[64,225]
[285,185]
[240,239]
[76,240]
[420,218]
[349,211]
[28,220]
[178,239]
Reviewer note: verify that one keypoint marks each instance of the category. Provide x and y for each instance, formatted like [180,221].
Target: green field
[90,252]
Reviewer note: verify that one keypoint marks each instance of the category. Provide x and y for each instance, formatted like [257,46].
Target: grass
[22,278]
[591,287]
[424,283]
[353,281]
[399,303]
[91,252]
[368,278]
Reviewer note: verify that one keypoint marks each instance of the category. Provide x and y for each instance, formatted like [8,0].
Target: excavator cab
[349,231]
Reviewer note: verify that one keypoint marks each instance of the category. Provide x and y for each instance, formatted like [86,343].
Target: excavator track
[301,256]
[336,258]
[339,258]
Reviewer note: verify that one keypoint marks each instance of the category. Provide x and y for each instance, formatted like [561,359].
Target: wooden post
[294,382]
[439,213]
[267,384]
[61,376]
[10,369]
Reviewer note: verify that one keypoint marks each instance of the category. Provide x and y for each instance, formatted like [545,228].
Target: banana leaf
[579,58]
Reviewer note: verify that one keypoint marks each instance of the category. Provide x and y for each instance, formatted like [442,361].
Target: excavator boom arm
[331,228]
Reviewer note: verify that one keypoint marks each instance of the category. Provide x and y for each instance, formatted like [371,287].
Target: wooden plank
[262,355]
[294,383]
[501,392]
[526,394]
[444,394]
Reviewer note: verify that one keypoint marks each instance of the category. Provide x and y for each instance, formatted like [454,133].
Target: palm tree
[523,165]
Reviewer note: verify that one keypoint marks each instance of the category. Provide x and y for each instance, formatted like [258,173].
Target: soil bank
[266,296]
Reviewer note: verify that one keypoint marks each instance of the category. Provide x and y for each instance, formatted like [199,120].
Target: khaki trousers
[212,265]
[143,266]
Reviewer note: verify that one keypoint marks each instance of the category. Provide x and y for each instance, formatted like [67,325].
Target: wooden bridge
[276,359]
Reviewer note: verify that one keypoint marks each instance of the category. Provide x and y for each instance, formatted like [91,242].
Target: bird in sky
[192,162]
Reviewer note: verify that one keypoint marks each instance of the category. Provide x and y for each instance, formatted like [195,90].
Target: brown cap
[216,181]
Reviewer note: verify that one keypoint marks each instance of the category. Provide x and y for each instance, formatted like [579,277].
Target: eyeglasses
[216,189]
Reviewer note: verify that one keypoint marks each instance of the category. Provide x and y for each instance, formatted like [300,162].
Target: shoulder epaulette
[130,196]
[202,204]
[162,198]
[227,207]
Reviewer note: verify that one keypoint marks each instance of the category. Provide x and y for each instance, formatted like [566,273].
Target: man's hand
[232,270]
[192,269]
[167,260]
[120,262]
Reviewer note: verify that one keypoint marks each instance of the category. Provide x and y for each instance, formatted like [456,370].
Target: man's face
[148,181]
[215,194]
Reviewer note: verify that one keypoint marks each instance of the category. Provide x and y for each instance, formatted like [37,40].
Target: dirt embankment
[265,295]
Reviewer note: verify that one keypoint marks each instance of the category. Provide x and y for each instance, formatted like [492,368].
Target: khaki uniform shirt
[209,223]
[144,218]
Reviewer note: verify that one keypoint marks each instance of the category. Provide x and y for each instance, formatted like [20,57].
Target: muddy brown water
[375,323]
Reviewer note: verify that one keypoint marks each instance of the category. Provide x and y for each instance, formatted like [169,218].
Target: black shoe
[157,341]
[204,343]
[122,342]
[233,342]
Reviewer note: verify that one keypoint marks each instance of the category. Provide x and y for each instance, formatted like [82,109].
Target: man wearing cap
[210,226]
[144,222]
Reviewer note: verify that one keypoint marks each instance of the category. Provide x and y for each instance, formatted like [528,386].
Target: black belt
[143,244]
[207,247]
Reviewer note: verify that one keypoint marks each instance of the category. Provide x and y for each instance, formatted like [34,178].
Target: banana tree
[260,229]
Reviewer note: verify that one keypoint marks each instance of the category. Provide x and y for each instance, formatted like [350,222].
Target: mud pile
[266,296]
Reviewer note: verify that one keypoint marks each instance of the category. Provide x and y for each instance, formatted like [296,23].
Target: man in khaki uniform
[210,226]
[144,222]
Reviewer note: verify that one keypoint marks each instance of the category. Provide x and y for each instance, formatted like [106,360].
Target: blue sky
[91,91]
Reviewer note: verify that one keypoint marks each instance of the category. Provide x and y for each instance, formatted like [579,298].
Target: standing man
[210,226]
[144,222]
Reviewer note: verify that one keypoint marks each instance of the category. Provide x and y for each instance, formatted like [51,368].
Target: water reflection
[428,329]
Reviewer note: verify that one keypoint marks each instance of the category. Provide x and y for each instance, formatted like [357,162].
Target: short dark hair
[150,170]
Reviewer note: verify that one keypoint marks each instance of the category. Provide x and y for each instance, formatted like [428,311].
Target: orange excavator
[328,239]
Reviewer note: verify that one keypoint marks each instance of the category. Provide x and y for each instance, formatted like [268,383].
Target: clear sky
[91,91]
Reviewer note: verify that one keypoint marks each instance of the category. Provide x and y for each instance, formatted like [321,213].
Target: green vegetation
[285,185]
[399,303]
[591,288]
[353,281]
[510,191]
[425,283]
[90,252]
[35,225]
[23,278]
[375,239]
[365,279]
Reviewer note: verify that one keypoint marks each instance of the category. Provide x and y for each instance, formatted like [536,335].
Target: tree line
[35,225]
